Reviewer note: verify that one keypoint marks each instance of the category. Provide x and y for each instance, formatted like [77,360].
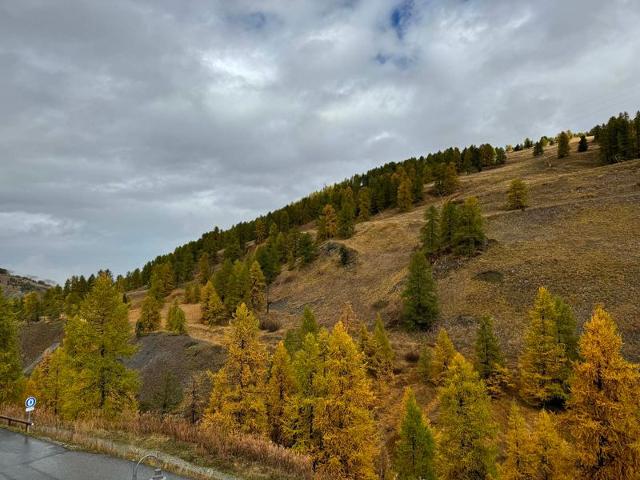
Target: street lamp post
[157,475]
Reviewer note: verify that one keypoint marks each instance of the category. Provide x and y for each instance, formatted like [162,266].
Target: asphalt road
[25,458]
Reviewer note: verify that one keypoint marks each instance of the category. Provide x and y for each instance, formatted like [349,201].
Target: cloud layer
[134,126]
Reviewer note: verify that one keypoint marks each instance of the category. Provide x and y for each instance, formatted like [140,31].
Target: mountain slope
[16,285]
[580,238]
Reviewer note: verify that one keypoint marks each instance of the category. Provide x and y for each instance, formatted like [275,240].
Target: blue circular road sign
[30,402]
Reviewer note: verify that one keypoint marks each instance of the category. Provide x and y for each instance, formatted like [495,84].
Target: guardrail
[19,421]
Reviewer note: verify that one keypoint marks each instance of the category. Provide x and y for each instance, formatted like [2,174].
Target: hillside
[17,285]
[580,237]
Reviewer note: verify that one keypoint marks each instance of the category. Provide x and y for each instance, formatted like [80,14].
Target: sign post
[30,406]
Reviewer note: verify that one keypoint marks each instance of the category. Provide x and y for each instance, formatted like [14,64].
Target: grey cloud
[132,126]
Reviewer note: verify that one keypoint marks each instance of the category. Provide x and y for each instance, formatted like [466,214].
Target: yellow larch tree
[518,441]
[543,363]
[280,387]
[550,454]
[466,447]
[604,404]
[95,343]
[343,415]
[237,398]
[441,357]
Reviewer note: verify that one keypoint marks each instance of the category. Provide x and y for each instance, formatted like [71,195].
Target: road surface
[26,458]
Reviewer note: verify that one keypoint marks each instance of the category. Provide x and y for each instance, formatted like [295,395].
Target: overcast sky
[130,127]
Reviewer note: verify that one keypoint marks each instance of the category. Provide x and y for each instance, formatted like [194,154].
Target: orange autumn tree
[343,417]
[237,398]
[604,405]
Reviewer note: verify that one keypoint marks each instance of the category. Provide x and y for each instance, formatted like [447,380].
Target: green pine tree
[347,214]
[420,298]
[583,145]
[415,447]
[176,319]
[431,231]
[469,234]
[448,224]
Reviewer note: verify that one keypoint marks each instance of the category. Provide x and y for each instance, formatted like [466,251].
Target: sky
[131,127]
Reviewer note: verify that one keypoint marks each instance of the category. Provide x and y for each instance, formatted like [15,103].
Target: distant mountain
[18,285]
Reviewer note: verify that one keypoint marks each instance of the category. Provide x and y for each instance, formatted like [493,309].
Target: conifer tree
[469,234]
[563,145]
[405,194]
[448,224]
[467,449]
[604,404]
[583,146]
[307,248]
[442,356]
[10,363]
[149,320]
[212,310]
[176,319]
[424,364]
[267,257]
[349,319]
[518,461]
[48,381]
[204,269]
[258,296]
[415,447]
[378,353]
[280,387]
[543,362]
[238,286]
[96,342]
[196,293]
[567,328]
[261,230]
[364,204]
[327,223]
[196,396]
[295,337]
[517,196]
[489,361]
[188,294]
[162,280]
[550,455]
[166,395]
[347,214]
[538,149]
[233,249]
[446,179]
[343,416]
[237,398]
[431,231]
[383,356]
[420,299]
[31,307]
[300,411]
